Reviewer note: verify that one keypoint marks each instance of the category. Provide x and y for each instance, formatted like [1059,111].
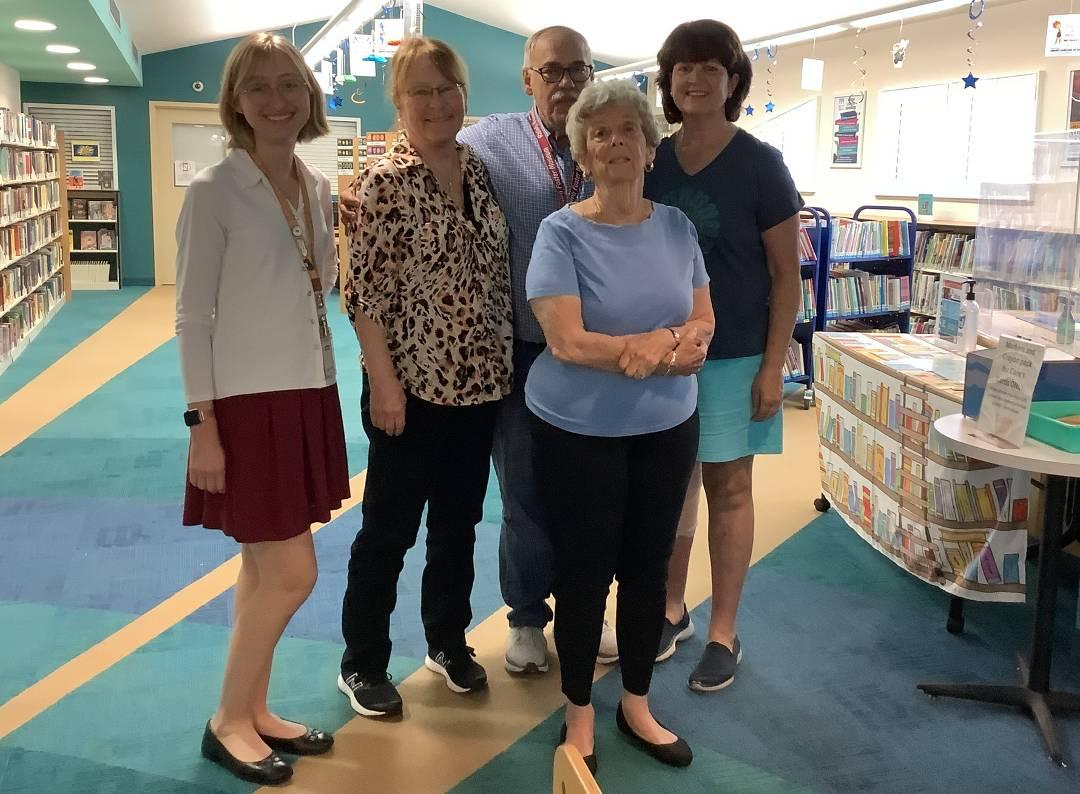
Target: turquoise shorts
[724,408]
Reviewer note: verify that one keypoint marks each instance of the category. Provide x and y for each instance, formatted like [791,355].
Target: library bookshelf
[35,275]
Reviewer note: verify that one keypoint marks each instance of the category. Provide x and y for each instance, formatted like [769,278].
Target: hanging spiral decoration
[770,81]
[975,12]
[858,95]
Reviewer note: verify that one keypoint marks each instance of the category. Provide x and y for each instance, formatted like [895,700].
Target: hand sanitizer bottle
[969,319]
[1066,326]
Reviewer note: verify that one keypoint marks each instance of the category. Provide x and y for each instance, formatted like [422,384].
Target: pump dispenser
[969,319]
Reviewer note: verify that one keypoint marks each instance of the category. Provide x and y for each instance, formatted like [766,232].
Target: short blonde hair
[237,69]
[442,55]
[599,95]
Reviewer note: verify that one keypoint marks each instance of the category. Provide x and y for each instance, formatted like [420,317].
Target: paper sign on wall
[1063,35]
[183,172]
[813,73]
[1006,405]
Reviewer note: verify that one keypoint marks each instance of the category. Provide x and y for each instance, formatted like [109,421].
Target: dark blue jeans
[526,559]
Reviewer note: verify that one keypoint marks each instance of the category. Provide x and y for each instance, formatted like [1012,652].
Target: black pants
[442,460]
[613,505]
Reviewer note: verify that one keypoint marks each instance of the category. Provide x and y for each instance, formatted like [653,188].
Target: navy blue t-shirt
[744,192]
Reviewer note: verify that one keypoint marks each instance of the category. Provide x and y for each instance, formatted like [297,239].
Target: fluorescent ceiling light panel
[96,80]
[80,66]
[63,49]
[37,25]
[908,13]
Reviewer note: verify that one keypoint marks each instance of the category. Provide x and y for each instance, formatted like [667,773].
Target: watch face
[192,418]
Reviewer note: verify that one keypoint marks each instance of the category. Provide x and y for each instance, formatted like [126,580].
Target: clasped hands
[651,354]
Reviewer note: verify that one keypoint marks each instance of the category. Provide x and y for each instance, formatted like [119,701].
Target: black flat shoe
[590,760]
[677,753]
[268,772]
[314,742]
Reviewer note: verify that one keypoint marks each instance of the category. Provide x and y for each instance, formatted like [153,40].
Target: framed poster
[1063,36]
[849,130]
[85,152]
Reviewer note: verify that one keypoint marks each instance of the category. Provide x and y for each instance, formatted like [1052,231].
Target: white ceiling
[619,30]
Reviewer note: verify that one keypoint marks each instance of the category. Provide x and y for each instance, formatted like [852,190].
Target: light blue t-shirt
[631,280]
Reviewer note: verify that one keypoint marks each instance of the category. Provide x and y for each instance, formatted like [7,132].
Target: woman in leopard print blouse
[428,291]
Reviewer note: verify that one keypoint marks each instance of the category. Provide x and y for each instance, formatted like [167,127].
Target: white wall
[9,88]
[1011,41]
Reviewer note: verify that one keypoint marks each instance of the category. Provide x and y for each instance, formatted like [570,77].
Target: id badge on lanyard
[552,164]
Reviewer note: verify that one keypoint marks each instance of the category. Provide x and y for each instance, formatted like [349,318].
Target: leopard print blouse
[437,281]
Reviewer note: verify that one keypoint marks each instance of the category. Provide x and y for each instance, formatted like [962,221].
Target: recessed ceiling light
[95,79]
[34,24]
[79,66]
[62,49]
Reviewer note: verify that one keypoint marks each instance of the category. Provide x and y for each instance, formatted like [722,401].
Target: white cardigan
[245,315]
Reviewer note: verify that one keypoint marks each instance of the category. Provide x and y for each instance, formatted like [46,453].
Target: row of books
[793,360]
[91,273]
[926,293]
[91,209]
[18,203]
[23,277]
[22,165]
[1024,299]
[966,501]
[872,398]
[17,323]
[858,441]
[807,302]
[806,246]
[1045,259]
[923,325]
[90,240]
[869,238]
[856,292]
[19,128]
[947,251]
[19,239]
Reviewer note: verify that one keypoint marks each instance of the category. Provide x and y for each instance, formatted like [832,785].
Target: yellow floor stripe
[137,331]
[66,679]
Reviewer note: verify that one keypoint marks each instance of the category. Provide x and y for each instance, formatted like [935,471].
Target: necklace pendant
[297,231]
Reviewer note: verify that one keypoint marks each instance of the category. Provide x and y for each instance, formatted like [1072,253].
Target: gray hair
[599,95]
[532,41]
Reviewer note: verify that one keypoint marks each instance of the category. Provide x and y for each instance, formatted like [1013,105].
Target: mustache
[565,96]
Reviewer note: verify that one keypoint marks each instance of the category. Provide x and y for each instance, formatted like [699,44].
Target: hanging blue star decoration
[333,101]
[970,80]
[769,107]
[749,110]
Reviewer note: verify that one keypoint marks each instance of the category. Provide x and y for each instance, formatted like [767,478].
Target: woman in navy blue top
[742,201]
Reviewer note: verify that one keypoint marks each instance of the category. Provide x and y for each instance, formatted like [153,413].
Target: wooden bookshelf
[32,288]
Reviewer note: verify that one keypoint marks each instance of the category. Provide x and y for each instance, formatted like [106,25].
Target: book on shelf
[25,130]
[105,180]
[1024,257]
[855,292]
[793,360]
[88,240]
[22,165]
[22,201]
[926,293]
[806,246]
[869,238]
[20,320]
[76,180]
[807,302]
[79,209]
[100,210]
[947,251]
[106,239]
[22,277]
[19,239]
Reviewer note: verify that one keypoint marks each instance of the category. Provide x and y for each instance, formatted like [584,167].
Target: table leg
[1033,693]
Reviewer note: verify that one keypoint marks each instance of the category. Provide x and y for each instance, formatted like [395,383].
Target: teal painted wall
[492,55]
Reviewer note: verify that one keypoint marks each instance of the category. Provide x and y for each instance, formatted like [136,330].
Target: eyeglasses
[290,88]
[554,72]
[427,93]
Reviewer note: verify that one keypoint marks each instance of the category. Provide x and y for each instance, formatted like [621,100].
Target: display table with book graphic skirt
[955,522]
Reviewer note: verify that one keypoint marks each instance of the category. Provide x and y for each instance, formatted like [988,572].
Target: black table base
[1033,694]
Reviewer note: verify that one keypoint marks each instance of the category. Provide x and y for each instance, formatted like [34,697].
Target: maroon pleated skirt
[285,465]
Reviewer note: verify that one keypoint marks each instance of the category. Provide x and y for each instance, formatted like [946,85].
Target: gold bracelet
[678,337]
[671,364]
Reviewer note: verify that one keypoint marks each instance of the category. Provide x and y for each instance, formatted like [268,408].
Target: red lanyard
[553,166]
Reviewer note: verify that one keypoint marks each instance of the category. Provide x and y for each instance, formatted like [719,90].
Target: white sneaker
[609,647]
[526,650]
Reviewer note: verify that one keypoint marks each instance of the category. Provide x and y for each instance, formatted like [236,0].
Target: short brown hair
[238,67]
[442,55]
[704,40]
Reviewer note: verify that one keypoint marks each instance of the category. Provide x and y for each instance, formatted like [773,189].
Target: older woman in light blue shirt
[619,287]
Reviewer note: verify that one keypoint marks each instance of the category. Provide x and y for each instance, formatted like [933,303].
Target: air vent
[115,12]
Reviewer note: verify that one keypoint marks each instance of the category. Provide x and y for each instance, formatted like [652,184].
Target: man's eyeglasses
[554,72]
[426,93]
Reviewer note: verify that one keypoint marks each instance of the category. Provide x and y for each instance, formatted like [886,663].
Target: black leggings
[613,505]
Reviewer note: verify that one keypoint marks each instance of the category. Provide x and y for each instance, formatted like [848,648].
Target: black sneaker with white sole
[673,633]
[370,695]
[716,669]
[459,668]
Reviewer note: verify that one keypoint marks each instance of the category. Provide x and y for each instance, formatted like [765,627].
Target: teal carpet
[835,639]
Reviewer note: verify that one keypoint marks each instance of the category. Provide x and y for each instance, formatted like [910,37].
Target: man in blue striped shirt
[533,174]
